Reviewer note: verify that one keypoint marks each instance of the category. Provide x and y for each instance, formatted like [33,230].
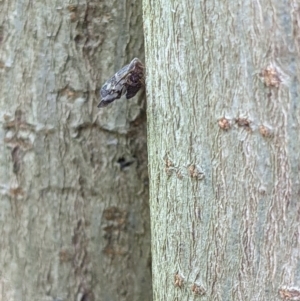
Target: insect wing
[127,80]
[132,90]
[109,94]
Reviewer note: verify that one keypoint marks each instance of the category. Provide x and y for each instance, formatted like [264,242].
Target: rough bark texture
[223,138]
[74,216]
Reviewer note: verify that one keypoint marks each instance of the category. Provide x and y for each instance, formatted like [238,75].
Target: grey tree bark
[223,143]
[74,186]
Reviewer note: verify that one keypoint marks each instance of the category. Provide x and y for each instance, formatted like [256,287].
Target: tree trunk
[74,214]
[223,139]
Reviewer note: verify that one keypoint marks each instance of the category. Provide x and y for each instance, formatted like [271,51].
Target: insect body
[127,81]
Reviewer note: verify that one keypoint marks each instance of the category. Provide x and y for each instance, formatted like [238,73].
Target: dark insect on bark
[127,81]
